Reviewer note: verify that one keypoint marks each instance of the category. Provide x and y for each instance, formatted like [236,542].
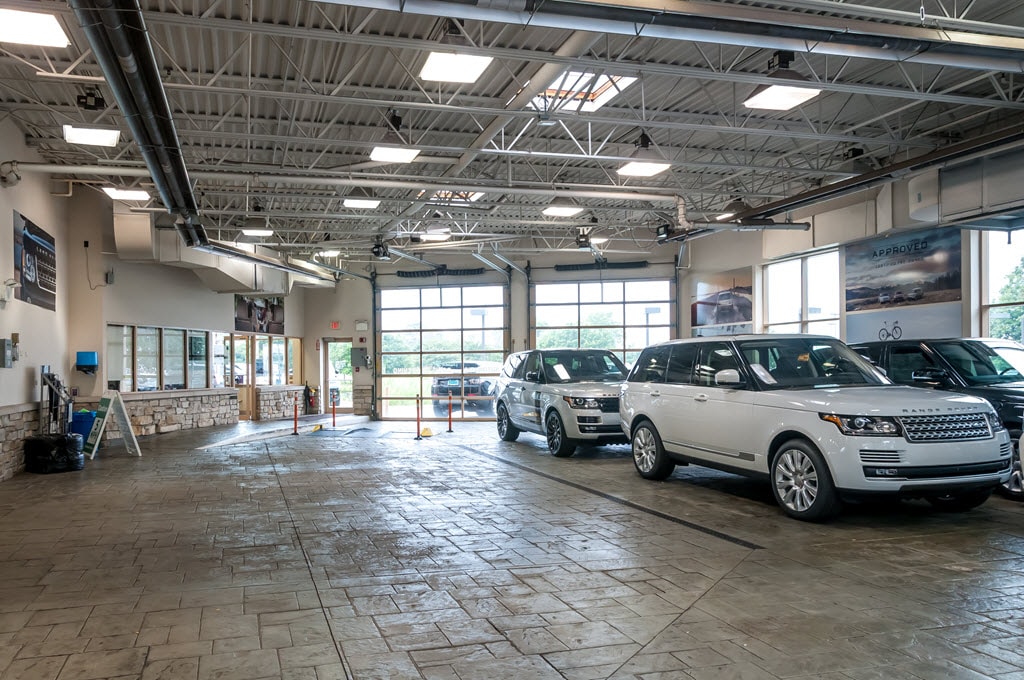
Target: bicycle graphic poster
[904,284]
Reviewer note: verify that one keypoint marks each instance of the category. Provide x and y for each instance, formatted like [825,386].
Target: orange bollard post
[295,428]
[418,437]
[334,421]
[450,412]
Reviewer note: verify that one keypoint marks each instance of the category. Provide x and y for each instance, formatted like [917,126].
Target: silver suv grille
[946,427]
[609,404]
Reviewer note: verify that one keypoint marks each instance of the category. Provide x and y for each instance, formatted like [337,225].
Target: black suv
[465,381]
[982,367]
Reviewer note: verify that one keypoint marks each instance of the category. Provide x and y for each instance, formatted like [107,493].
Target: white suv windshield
[982,364]
[807,363]
[568,366]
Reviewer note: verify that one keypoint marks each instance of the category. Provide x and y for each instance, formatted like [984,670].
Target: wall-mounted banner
[912,268]
[926,321]
[259,314]
[723,299]
[35,264]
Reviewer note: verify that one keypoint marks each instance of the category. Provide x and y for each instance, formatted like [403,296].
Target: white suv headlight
[995,421]
[872,426]
[582,402]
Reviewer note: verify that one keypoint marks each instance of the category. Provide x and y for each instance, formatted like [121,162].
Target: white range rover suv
[814,418]
[567,395]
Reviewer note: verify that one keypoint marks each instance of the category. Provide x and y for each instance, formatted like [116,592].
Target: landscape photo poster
[35,264]
[723,300]
[904,269]
[259,314]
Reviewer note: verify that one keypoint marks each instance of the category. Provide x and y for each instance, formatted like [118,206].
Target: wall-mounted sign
[335,325]
[35,264]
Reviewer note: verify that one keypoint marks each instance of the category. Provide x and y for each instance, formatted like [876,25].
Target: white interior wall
[348,302]
[43,333]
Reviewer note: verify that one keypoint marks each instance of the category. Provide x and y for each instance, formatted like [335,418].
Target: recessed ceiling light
[646,161]
[780,97]
[91,135]
[451,67]
[31,28]
[562,207]
[126,194]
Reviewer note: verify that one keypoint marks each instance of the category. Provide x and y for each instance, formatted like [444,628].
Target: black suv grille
[946,427]
[609,404]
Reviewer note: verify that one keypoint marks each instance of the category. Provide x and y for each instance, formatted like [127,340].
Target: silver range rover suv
[812,417]
[568,395]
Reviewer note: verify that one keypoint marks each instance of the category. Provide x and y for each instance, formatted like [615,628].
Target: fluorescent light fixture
[791,89]
[452,67]
[361,203]
[598,240]
[390,154]
[91,135]
[436,236]
[330,253]
[724,216]
[780,97]
[126,194]
[562,207]
[646,161]
[31,28]
[258,232]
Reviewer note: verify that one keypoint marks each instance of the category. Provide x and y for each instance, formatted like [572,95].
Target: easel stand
[111,403]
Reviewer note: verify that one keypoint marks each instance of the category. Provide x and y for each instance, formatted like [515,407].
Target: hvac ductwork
[117,35]
[763,28]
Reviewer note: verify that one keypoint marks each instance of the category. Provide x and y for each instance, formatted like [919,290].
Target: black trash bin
[48,453]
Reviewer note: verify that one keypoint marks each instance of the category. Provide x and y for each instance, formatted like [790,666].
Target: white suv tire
[558,443]
[802,483]
[506,430]
[649,455]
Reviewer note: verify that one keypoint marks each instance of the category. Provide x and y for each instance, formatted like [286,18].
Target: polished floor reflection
[362,552]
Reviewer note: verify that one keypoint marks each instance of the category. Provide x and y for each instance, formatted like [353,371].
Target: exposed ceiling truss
[277,106]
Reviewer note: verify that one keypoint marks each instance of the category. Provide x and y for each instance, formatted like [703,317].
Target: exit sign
[335,325]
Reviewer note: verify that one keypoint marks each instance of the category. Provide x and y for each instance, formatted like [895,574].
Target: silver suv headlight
[870,426]
[582,402]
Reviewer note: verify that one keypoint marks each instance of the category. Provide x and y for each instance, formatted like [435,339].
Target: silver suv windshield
[807,363]
[981,364]
[582,365]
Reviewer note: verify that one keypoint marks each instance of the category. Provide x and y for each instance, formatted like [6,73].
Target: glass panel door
[338,375]
[242,369]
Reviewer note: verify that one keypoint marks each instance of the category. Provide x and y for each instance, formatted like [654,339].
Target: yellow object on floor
[426,432]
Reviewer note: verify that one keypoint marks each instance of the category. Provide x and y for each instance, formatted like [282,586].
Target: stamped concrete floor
[363,553]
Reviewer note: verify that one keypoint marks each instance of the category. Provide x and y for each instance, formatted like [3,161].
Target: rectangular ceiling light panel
[126,194]
[392,154]
[91,136]
[450,67]
[780,97]
[31,28]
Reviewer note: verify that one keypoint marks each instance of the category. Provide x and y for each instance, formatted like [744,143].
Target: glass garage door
[623,316]
[445,344]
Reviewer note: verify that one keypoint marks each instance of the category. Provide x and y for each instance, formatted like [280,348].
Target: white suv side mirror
[729,377]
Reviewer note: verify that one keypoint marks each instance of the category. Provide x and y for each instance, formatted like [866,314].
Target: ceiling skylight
[580,91]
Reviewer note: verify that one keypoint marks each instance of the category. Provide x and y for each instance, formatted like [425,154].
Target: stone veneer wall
[16,423]
[170,411]
[278,401]
[362,401]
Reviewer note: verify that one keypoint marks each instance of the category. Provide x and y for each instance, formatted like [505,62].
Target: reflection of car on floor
[464,381]
[898,297]
[883,298]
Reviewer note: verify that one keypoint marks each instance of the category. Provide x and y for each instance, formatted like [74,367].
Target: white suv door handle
[700,397]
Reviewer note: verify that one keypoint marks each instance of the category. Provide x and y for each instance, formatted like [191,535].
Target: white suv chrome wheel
[796,480]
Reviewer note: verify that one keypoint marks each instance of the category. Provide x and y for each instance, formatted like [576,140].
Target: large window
[803,295]
[147,358]
[445,344]
[622,316]
[1003,284]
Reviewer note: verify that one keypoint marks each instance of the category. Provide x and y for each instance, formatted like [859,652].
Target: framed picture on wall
[35,264]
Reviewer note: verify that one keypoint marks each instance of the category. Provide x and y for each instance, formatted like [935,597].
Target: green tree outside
[1005,322]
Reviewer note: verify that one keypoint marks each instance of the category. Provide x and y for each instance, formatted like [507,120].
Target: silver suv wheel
[802,483]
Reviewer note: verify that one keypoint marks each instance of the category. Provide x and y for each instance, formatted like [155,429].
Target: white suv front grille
[946,427]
